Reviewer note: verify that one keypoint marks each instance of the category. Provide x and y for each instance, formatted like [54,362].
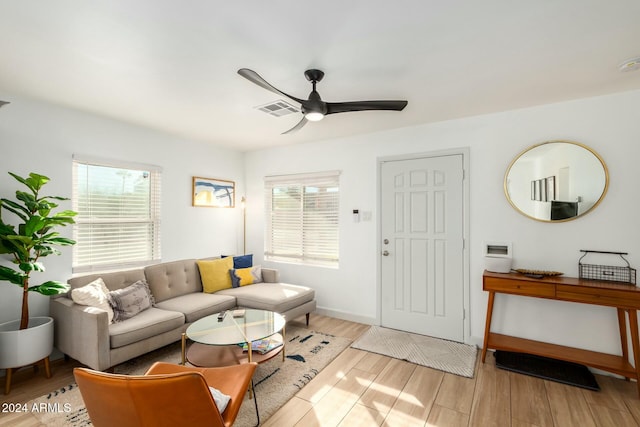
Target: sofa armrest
[270,275]
[81,332]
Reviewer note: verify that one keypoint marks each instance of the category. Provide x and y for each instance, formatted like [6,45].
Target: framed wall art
[551,188]
[213,193]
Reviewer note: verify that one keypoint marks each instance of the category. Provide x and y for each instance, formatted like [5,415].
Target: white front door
[422,261]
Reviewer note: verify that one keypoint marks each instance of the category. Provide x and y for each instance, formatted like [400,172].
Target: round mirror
[556,181]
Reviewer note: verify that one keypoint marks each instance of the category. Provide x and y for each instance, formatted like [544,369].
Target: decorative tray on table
[538,274]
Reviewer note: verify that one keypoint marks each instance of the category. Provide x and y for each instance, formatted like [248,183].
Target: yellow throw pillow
[215,274]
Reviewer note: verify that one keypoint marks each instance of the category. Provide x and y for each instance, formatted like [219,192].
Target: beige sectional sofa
[85,334]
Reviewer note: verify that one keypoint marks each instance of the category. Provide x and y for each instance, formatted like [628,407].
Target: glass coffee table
[219,342]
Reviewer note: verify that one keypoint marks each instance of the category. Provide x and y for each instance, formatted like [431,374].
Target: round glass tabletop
[251,326]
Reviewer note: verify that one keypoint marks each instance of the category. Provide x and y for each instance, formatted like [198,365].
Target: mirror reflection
[556,181]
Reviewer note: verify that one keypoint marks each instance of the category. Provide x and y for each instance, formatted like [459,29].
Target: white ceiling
[171,65]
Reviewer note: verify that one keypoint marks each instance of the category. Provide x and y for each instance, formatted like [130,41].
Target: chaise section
[278,297]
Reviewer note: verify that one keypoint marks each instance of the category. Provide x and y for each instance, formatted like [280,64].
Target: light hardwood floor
[365,389]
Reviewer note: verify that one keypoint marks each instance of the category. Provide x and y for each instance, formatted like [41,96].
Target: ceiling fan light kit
[314,116]
[314,108]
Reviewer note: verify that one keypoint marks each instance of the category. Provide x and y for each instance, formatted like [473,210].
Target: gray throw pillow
[129,301]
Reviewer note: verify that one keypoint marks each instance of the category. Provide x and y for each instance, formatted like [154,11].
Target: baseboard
[343,315]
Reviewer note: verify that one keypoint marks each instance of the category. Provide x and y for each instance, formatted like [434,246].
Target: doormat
[549,369]
[307,353]
[436,353]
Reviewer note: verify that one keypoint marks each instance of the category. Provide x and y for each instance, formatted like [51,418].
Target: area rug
[308,352]
[447,356]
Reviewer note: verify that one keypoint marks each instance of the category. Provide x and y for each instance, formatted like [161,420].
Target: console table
[625,298]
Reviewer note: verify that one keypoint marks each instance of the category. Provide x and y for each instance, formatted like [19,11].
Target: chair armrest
[81,332]
[270,275]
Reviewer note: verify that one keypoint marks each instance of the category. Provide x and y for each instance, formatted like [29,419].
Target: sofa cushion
[172,279]
[215,274]
[128,302]
[198,305]
[146,324]
[278,297]
[94,294]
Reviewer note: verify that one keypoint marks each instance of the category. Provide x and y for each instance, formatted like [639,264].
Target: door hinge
[464,313]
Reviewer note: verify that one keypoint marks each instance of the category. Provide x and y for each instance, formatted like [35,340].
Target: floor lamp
[243,203]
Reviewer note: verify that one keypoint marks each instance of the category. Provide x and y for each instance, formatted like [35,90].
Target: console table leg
[635,341]
[487,325]
[622,324]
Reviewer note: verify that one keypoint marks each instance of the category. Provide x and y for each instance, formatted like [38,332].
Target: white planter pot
[25,347]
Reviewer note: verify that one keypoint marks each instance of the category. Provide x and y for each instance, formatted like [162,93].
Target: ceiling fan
[314,108]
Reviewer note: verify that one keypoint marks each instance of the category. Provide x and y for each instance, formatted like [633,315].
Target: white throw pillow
[94,294]
[221,399]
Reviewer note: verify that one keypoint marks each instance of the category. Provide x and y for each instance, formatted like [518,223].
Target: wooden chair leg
[307,319]
[7,382]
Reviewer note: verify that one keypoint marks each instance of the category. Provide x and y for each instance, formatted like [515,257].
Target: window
[118,221]
[302,218]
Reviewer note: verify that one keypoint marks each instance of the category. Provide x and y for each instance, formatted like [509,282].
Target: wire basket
[608,273]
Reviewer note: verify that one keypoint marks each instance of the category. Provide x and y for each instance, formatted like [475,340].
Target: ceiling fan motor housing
[314,75]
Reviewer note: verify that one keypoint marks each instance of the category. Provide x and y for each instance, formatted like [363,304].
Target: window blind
[118,221]
[303,213]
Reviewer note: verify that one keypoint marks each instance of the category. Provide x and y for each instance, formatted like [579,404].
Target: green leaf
[36,181]
[51,287]
[25,240]
[6,229]
[62,241]
[63,221]
[12,276]
[31,266]
[46,251]
[17,209]
[22,180]
[56,198]
[25,197]
[34,224]
[66,213]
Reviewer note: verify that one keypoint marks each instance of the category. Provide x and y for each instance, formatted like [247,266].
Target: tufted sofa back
[113,281]
[172,279]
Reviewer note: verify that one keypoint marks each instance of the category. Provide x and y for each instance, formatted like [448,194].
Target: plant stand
[10,371]
[25,347]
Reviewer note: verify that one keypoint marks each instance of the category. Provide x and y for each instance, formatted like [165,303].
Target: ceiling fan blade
[2,103]
[300,124]
[345,107]
[255,78]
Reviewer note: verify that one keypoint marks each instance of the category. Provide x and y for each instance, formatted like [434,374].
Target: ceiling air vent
[278,108]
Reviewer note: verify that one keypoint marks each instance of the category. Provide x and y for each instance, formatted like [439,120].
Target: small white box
[497,257]
[497,265]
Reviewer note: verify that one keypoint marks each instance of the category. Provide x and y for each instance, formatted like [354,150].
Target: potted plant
[28,340]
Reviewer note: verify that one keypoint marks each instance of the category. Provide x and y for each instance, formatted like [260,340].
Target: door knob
[385,253]
[385,241]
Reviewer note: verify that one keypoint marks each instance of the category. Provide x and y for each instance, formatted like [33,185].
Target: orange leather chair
[166,395]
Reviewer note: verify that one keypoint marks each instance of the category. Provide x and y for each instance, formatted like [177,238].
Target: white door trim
[465,152]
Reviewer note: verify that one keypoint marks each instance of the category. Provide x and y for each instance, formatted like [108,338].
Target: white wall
[41,138]
[610,125]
